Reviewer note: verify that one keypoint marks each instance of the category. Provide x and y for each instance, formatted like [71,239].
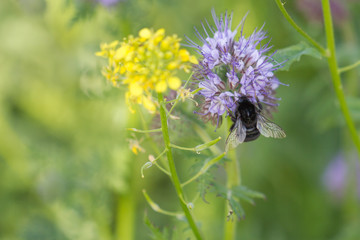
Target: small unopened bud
[151,158]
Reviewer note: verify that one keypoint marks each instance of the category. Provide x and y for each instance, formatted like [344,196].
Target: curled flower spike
[144,64]
[232,68]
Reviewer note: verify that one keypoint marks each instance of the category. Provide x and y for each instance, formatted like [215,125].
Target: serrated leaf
[176,233]
[205,182]
[242,190]
[220,190]
[242,196]
[293,54]
[197,165]
[180,233]
[156,232]
[235,205]
[237,208]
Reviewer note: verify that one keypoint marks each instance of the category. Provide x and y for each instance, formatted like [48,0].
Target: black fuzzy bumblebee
[249,123]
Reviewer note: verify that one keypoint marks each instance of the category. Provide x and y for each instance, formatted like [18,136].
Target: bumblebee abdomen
[252,134]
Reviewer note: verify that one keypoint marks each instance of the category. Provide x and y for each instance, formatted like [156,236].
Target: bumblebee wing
[268,128]
[236,136]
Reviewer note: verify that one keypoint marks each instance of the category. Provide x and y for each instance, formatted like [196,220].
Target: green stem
[162,169]
[144,131]
[174,176]
[233,179]
[350,206]
[156,207]
[153,162]
[182,148]
[299,30]
[125,216]
[178,98]
[198,148]
[206,138]
[347,68]
[335,73]
[152,142]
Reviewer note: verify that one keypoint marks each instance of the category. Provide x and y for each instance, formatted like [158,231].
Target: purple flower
[108,3]
[336,177]
[231,68]
[209,89]
[221,103]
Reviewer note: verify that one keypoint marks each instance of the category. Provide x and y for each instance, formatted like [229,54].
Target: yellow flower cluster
[146,63]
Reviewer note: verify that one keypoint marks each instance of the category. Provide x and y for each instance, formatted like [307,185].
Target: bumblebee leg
[259,104]
[233,118]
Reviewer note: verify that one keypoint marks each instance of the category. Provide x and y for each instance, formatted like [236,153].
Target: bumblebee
[249,123]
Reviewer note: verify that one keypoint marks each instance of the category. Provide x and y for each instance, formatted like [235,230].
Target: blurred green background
[66,168]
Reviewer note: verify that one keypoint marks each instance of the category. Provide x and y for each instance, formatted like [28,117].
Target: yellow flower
[135,89]
[184,93]
[149,104]
[134,145]
[161,86]
[146,65]
[145,33]
[174,83]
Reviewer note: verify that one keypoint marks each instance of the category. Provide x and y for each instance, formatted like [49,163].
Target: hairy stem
[333,66]
[174,176]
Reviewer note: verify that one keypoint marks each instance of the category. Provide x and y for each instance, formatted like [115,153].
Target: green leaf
[236,195]
[206,179]
[179,232]
[156,232]
[236,207]
[235,204]
[242,190]
[293,53]
[204,185]
[243,193]
[242,196]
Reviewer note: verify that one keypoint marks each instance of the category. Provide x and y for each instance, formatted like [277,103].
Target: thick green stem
[233,179]
[298,29]
[152,142]
[125,216]
[174,176]
[335,73]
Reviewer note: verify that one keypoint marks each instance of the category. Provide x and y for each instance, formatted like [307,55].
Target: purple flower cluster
[108,3]
[336,176]
[230,68]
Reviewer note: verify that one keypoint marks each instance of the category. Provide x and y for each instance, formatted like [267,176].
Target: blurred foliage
[66,169]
